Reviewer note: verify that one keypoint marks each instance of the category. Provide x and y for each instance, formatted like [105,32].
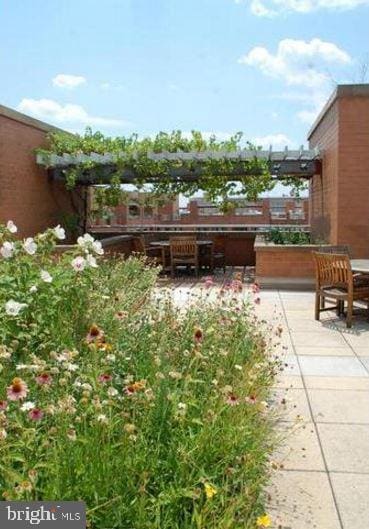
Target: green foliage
[131,154]
[155,416]
[279,236]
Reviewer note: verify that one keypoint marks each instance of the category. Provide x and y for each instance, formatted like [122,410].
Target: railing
[213,228]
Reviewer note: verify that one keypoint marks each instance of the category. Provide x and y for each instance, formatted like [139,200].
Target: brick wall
[27,196]
[339,199]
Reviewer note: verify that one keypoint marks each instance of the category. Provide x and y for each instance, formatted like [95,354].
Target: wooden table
[360,265]
[166,244]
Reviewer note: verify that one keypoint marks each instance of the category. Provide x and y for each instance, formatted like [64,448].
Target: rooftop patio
[323,472]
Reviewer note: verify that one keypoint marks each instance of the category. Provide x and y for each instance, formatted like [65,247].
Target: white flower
[7,249]
[79,263]
[13,308]
[97,247]
[30,246]
[11,227]
[112,392]
[33,289]
[182,406]
[59,232]
[45,276]
[110,358]
[91,261]
[69,366]
[85,240]
[26,406]
[102,418]
[86,386]
[3,434]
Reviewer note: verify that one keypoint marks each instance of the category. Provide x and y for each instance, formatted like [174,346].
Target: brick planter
[285,266]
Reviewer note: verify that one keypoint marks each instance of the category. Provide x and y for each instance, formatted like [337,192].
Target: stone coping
[262,245]
[108,241]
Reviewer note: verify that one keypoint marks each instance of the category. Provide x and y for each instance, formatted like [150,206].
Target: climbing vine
[131,156]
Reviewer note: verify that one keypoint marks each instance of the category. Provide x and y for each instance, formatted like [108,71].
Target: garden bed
[155,416]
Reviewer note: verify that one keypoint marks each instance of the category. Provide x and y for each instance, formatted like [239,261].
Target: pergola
[302,164]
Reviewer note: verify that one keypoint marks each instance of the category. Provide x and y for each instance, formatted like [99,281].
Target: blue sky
[264,67]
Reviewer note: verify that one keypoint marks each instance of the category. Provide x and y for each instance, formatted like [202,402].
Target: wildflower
[110,358]
[182,406]
[78,263]
[255,288]
[102,419]
[36,414]
[11,227]
[251,399]
[208,282]
[33,289]
[7,249]
[59,232]
[86,387]
[198,335]
[112,392]
[97,247]
[257,301]
[69,366]
[264,521]
[104,378]
[13,308]
[104,346]
[94,334]
[121,314]
[91,261]
[238,367]
[3,405]
[236,285]
[175,375]
[134,387]
[45,276]
[232,400]
[129,428]
[30,246]
[71,434]
[24,486]
[84,240]
[17,390]
[210,490]
[44,379]
[3,434]
[27,406]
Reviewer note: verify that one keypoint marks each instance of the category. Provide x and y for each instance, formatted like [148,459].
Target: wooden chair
[219,260]
[183,251]
[155,255]
[335,281]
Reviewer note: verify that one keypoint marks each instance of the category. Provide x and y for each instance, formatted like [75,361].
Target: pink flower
[35,414]
[208,282]
[255,288]
[17,390]
[3,405]
[251,399]
[104,378]
[232,400]
[257,301]
[44,379]
[236,285]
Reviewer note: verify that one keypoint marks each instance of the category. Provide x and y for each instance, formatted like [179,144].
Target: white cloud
[68,114]
[63,80]
[271,8]
[297,62]
[277,141]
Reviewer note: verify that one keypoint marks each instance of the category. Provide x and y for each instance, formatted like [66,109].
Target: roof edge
[28,120]
[342,90]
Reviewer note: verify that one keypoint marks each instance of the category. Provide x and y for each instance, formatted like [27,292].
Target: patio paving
[323,482]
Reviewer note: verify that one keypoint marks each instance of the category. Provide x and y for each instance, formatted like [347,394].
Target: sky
[263,67]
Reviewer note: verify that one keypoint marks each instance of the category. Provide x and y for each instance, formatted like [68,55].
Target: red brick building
[339,198]
[27,196]
[281,211]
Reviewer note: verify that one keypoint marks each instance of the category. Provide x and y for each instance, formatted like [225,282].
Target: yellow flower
[264,521]
[210,491]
